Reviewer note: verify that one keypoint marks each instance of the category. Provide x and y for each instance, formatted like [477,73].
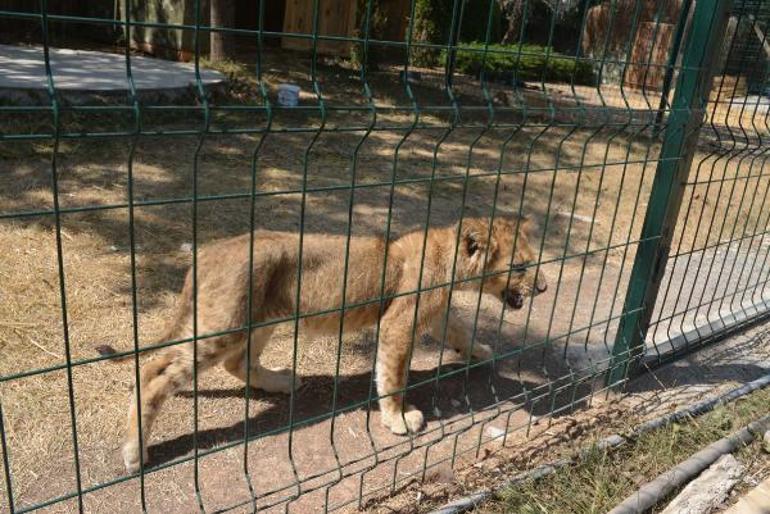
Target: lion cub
[223,305]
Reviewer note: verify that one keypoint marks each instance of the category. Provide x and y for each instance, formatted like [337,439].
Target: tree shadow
[453,390]
[93,175]
[739,361]
[550,387]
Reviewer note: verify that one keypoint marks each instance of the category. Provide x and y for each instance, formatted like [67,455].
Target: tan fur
[223,291]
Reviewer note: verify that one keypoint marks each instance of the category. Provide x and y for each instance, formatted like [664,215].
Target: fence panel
[716,276]
[349,238]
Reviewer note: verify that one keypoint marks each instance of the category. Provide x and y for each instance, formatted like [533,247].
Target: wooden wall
[335,18]
[649,55]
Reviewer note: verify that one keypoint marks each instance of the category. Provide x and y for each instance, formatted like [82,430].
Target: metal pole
[676,155]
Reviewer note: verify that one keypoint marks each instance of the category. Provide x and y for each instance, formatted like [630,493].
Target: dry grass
[590,180]
[604,478]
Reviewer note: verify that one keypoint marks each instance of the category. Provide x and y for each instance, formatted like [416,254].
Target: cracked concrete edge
[706,492]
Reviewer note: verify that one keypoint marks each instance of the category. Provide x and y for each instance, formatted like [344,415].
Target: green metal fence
[632,134]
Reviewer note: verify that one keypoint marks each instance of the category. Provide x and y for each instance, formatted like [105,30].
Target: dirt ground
[704,374]
[586,187]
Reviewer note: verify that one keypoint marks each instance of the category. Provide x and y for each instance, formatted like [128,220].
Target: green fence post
[681,134]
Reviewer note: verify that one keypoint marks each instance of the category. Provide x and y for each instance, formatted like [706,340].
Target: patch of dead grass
[603,479]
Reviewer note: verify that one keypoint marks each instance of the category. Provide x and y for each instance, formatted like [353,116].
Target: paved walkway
[23,68]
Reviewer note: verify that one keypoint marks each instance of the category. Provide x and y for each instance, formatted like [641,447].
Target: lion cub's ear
[526,225]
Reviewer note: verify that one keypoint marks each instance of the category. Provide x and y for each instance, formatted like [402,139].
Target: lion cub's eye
[521,267]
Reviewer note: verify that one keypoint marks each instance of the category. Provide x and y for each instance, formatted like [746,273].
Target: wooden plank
[757,501]
[396,13]
[648,57]
[761,36]
[335,18]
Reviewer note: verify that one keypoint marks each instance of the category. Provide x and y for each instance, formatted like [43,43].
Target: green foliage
[433,24]
[378,23]
[521,62]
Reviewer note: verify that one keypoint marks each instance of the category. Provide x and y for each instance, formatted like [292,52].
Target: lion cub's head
[493,254]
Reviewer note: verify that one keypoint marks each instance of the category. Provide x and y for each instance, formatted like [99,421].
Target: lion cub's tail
[105,350]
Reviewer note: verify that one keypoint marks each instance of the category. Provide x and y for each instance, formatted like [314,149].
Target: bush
[521,62]
[378,23]
[433,24]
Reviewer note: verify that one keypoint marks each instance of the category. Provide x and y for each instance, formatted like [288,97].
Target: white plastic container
[288,95]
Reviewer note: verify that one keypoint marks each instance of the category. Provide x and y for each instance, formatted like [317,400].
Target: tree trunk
[512,12]
[222,15]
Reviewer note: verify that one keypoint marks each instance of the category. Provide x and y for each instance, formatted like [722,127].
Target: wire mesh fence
[370,241]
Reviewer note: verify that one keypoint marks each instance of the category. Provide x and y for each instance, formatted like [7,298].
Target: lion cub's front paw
[131,456]
[276,380]
[410,421]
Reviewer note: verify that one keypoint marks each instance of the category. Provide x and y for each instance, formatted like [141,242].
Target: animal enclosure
[640,165]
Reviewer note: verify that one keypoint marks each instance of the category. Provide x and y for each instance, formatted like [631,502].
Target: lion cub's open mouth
[513,299]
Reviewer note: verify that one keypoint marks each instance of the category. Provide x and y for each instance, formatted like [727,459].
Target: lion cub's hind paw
[401,424]
[276,380]
[131,456]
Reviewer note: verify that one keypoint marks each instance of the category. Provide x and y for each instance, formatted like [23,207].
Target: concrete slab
[707,492]
[22,70]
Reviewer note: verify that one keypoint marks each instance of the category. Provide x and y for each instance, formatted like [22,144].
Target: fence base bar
[709,332]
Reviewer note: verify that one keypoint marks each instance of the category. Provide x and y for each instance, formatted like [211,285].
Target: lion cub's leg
[458,336]
[160,378]
[259,377]
[392,366]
